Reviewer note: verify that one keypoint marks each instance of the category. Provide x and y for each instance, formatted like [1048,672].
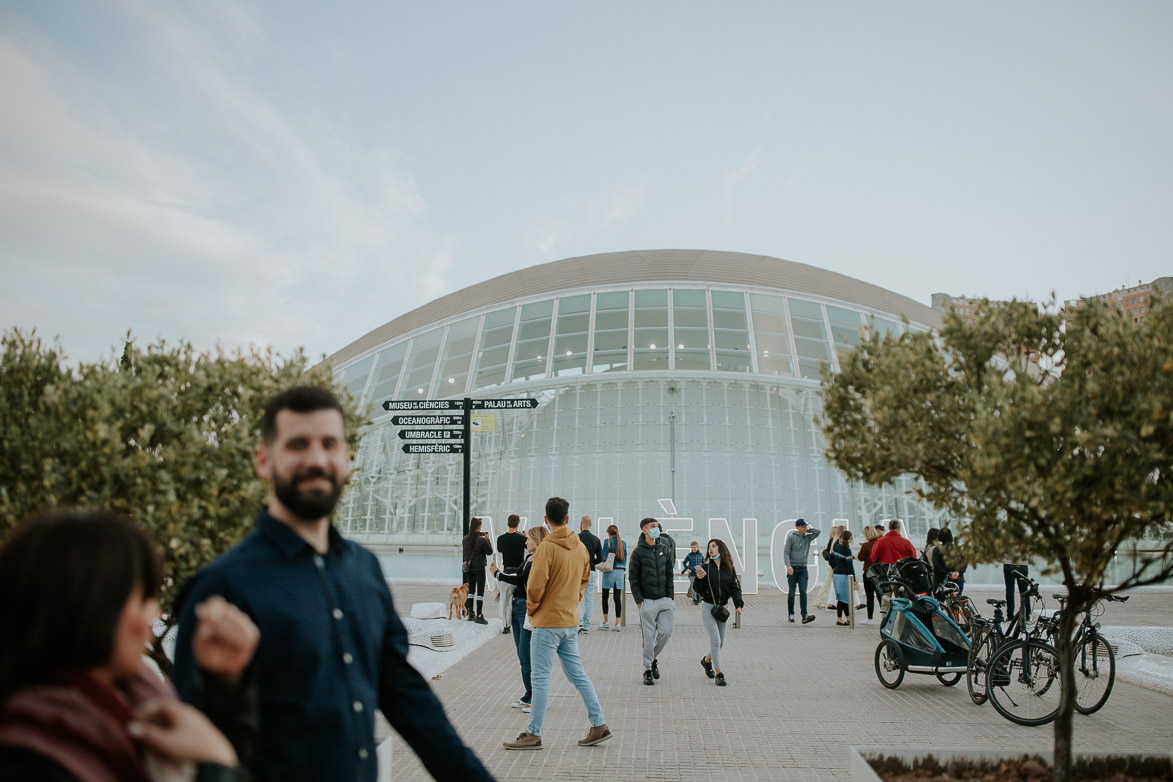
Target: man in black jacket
[511,546]
[650,570]
[594,547]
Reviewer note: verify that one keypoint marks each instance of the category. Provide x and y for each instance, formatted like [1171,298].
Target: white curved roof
[643,266]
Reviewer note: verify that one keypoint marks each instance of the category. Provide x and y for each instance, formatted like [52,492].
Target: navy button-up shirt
[332,650]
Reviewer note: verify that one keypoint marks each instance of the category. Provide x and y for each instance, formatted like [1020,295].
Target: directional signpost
[434,448]
[504,404]
[431,434]
[425,404]
[425,417]
[428,420]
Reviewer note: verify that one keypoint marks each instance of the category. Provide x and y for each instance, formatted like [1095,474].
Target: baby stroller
[916,635]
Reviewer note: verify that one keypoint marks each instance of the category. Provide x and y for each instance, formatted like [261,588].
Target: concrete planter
[861,770]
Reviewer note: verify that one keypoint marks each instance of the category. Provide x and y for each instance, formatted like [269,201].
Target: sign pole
[467,459]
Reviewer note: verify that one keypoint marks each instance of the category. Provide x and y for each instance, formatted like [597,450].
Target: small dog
[456,600]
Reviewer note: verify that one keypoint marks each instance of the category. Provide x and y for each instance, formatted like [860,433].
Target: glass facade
[706,395]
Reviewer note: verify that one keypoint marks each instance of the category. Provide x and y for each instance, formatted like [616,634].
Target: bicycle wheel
[1022,681]
[975,673]
[1095,673]
[949,679]
[889,664]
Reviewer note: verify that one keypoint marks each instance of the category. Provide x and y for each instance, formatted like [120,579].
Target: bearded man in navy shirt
[332,649]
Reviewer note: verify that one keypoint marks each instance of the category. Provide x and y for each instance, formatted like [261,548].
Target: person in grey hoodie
[650,570]
[797,554]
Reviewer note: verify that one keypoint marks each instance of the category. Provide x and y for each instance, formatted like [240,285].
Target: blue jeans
[842,594]
[797,579]
[586,606]
[521,640]
[546,642]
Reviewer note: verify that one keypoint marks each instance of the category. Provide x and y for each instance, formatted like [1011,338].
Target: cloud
[624,205]
[548,235]
[735,178]
[116,215]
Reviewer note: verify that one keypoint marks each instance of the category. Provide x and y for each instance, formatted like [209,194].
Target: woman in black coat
[947,564]
[477,550]
[717,583]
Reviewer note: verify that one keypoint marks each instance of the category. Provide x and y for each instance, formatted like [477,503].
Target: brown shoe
[526,741]
[596,736]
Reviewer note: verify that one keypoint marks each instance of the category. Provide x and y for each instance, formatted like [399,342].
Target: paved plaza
[798,697]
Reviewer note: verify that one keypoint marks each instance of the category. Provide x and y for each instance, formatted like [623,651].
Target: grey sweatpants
[716,631]
[655,619]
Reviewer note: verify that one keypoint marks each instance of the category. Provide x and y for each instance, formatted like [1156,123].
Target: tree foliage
[163,434]
[1052,440]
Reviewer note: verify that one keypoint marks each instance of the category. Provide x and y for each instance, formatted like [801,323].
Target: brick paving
[798,696]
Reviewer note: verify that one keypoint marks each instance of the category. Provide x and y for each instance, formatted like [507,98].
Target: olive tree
[164,434]
[1050,432]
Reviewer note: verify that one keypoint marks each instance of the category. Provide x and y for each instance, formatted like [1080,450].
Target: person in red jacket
[893,547]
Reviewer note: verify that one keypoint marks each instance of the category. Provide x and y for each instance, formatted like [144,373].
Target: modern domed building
[684,374]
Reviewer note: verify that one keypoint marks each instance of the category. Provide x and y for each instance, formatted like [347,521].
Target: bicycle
[957,607]
[1021,675]
[986,635]
[1095,662]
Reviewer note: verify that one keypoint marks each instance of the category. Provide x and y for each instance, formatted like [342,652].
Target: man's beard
[308,506]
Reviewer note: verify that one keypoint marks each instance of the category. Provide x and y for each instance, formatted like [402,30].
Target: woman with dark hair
[717,583]
[477,550]
[842,569]
[521,634]
[76,702]
[947,564]
[613,581]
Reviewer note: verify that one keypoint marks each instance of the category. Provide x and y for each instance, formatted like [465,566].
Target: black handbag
[719,612]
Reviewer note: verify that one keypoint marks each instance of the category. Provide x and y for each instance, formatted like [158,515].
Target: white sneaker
[616,628]
[517,704]
[526,708]
[602,625]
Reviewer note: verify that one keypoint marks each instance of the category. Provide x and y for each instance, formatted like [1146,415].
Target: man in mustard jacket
[558,575]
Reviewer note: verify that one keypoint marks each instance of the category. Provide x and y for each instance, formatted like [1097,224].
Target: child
[691,560]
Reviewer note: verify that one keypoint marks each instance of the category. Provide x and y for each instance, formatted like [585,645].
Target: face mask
[715,556]
[654,533]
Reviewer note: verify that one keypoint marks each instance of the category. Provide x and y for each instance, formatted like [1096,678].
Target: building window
[493,355]
[457,357]
[354,377]
[731,331]
[690,330]
[651,330]
[845,325]
[810,337]
[610,352]
[421,363]
[771,335]
[386,375]
[533,341]
[570,339]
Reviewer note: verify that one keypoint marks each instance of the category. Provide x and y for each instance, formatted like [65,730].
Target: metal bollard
[851,600]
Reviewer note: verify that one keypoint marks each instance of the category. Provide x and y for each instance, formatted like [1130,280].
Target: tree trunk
[1068,619]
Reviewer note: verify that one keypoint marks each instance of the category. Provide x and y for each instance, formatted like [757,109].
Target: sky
[294,174]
